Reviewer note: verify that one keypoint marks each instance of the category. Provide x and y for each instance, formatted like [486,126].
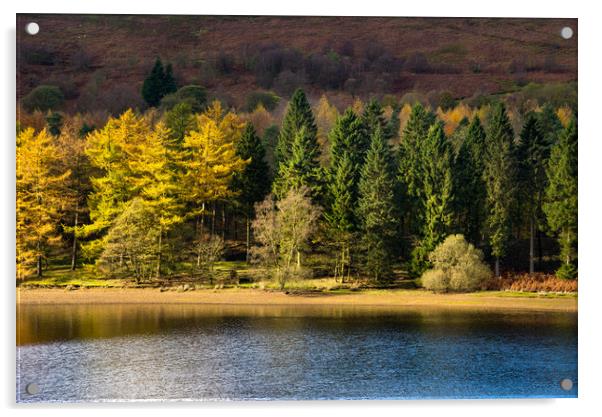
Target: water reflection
[104,352]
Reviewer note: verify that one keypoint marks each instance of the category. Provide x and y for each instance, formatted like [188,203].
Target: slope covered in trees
[169,192]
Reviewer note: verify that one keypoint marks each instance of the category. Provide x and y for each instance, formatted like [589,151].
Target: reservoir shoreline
[238,296]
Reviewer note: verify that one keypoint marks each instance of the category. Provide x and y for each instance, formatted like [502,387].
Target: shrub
[194,95]
[44,98]
[457,266]
[267,99]
[37,55]
[567,271]
[435,280]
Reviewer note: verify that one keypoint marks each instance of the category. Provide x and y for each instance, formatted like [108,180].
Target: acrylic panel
[215,208]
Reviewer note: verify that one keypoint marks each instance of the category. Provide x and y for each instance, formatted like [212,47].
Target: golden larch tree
[40,199]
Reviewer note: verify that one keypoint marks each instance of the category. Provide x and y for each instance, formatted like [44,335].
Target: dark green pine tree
[302,168]
[437,198]
[376,209]
[340,215]
[532,155]
[549,124]
[152,88]
[560,204]
[169,82]
[410,166]
[469,188]
[347,141]
[373,118]
[298,115]
[500,177]
[394,123]
[253,183]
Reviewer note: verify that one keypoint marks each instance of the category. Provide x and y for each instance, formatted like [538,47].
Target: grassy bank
[395,297]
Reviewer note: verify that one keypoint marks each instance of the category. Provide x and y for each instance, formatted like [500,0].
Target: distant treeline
[359,194]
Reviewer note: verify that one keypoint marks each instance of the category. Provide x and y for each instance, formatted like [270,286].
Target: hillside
[100,61]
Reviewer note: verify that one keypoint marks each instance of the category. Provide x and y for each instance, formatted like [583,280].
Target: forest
[375,193]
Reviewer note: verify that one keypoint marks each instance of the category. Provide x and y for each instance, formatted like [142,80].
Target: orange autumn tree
[40,199]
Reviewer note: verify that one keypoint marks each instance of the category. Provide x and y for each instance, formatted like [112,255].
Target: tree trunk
[298,259]
[531,245]
[39,266]
[213,218]
[159,254]
[74,247]
[539,250]
[497,267]
[248,228]
[39,263]
[568,247]
[223,221]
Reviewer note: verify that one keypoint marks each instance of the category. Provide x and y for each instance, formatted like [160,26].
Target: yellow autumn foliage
[40,199]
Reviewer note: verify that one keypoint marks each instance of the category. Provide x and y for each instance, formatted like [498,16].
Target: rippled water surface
[124,352]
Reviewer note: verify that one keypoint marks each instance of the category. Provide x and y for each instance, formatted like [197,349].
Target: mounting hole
[566,32]
[566,384]
[32,28]
[32,389]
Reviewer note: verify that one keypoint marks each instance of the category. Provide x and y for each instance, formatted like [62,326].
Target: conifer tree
[109,150]
[340,215]
[347,141]
[394,123]
[156,184]
[169,82]
[372,118]
[180,121]
[469,187]
[71,146]
[376,209]
[410,161]
[560,204]
[532,156]
[302,168]
[39,199]
[500,177]
[437,196]
[549,124]
[298,115]
[210,159]
[153,86]
[253,182]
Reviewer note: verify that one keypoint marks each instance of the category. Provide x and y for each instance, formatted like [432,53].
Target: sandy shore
[258,297]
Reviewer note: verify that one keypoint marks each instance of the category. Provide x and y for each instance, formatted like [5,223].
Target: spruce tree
[372,119]
[469,187]
[500,177]
[340,214]
[169,82]
[153,86]
[347,141]
[298,115]
[410,160]
[376,209]
[437,183]
[532,155]
[302,168]
[394,123]
[253,183]
[560,204]
[549,124]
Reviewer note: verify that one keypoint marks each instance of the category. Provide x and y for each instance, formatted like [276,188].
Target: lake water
[177,352]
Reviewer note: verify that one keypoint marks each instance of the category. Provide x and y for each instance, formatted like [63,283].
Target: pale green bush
[457,266]
[435,280]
